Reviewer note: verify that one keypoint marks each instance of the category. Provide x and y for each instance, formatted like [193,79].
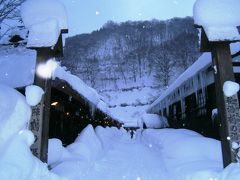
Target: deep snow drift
[16,159]
[107,153]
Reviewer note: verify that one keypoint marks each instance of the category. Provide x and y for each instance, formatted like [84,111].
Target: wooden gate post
[228,107]
[39,123]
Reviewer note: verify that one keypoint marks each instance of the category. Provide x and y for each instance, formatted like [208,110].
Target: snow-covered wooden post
[218,21]
[46,21]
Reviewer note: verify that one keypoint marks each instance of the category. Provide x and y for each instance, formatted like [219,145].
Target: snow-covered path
[130,159]
[126,159]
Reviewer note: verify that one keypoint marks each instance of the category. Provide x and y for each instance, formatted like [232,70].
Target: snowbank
[16,159]
[187,154]
[14,114]
[108,135]
[57,153]
[154,121]
[17,67]
[88,147]
[189,144]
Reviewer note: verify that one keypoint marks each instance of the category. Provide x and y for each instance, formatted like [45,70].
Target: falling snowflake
[97,13]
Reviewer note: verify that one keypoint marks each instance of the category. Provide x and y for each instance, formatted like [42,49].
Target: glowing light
[46,70]
[67,113]
[54,103]
[228,138]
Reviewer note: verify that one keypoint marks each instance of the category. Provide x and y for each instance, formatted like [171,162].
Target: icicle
[203,82]
[182,97]
[92,108]
[195,86]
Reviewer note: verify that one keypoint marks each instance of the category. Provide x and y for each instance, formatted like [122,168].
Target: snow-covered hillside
[130,63]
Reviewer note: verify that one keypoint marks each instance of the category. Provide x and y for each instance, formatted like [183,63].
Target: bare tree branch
[9,10]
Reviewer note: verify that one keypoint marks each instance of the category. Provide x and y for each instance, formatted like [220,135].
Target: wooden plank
[58,48]
[228,107]
[39,122]
[205,46]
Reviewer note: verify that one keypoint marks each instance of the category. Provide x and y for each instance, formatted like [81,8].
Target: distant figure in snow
[131,133]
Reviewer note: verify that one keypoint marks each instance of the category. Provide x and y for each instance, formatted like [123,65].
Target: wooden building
[71,108]
[190,102]
[71,112]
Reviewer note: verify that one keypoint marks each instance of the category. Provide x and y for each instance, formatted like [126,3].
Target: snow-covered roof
[219,18]
[44,19]
[203,61]
[17,69]
[77,84]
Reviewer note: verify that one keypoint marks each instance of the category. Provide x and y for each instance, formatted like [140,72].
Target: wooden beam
[228,107]
[58,48]
[206,45]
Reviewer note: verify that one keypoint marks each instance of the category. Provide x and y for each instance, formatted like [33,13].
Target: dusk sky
[86,16]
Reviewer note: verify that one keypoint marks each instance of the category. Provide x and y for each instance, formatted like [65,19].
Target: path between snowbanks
[126,159]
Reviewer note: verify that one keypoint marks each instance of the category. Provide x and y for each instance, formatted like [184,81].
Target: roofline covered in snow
[202,63]
[66,88]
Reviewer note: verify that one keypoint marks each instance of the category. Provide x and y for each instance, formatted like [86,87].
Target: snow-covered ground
[102,153]
[129,105]
[107,153]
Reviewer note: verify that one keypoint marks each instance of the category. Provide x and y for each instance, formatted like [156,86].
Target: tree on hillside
[163,64]
[9,10]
